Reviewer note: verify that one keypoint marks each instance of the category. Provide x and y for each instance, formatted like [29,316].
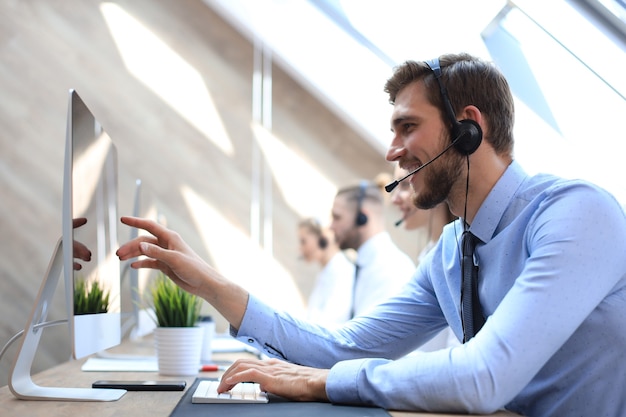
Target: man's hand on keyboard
[294,382]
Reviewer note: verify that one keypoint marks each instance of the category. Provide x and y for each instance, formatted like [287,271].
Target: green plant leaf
[173,306]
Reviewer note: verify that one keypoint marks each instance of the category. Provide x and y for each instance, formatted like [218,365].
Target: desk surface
[133,403]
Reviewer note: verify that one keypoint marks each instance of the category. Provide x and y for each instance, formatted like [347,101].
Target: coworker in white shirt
[358,215]
[330,300]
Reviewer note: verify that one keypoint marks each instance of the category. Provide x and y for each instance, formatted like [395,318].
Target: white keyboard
[242,393]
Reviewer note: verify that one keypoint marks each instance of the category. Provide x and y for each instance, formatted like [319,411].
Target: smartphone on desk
[141,385]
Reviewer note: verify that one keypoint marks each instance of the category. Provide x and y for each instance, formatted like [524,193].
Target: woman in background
[330,301]
[431,221]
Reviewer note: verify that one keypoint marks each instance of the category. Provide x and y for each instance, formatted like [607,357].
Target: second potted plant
[178,339]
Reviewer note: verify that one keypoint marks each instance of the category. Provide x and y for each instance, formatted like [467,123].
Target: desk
[133,403]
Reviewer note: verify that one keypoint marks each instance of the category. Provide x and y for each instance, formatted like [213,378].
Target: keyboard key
[242,393]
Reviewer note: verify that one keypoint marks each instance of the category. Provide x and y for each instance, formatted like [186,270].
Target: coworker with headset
[358,221]
[430,222]
[551,276]
[331,296]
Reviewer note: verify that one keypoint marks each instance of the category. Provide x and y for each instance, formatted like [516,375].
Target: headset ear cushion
[323,242]
[361,219]
[469,136]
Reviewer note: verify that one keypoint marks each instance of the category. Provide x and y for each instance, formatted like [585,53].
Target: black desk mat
[275,408]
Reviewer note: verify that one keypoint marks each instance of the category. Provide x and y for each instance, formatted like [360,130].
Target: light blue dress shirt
[552,282]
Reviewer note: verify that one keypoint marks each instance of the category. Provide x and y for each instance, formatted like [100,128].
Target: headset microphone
[399,222]
[390,187]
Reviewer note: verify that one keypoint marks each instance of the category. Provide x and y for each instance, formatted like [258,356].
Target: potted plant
[178,339]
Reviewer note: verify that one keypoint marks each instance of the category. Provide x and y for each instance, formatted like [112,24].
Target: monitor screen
[90,233]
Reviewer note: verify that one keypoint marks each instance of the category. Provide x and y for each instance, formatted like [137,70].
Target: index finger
[233,374]
[148,225]
[78,222]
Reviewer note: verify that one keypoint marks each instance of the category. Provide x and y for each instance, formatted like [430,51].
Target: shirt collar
[499,198]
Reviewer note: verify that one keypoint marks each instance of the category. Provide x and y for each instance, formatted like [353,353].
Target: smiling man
[532,276]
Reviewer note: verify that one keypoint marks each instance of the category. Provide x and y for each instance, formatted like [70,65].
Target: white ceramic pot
[178,349]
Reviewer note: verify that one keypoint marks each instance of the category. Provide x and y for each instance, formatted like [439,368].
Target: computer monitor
[140,321]
[90,191]
[85,253]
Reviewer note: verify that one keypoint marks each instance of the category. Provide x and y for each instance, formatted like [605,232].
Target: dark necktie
[471,312]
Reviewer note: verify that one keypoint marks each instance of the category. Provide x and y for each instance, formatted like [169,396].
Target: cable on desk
[35,327]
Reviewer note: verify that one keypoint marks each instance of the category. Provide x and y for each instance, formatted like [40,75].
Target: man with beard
[547,336]
[358,221]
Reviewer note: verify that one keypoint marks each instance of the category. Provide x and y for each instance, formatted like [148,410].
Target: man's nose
[396,150]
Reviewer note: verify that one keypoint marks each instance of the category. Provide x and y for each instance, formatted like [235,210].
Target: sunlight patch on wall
[239,259]
[305,189]
[166,74]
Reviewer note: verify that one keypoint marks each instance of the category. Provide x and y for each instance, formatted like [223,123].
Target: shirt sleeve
[388,331]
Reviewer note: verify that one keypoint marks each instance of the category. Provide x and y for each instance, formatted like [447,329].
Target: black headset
[466,133]
[322,242]
[361,218]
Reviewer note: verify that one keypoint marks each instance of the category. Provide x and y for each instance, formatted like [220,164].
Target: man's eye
[408,127]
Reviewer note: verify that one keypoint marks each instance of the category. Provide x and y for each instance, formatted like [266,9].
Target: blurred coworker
[330,301]
[359,223]
[433,220]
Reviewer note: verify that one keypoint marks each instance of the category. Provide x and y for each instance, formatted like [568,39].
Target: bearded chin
[438,181]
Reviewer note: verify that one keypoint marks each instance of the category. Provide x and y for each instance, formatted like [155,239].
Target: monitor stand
[20,382]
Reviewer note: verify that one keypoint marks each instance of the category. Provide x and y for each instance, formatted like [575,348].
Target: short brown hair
[364,191]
